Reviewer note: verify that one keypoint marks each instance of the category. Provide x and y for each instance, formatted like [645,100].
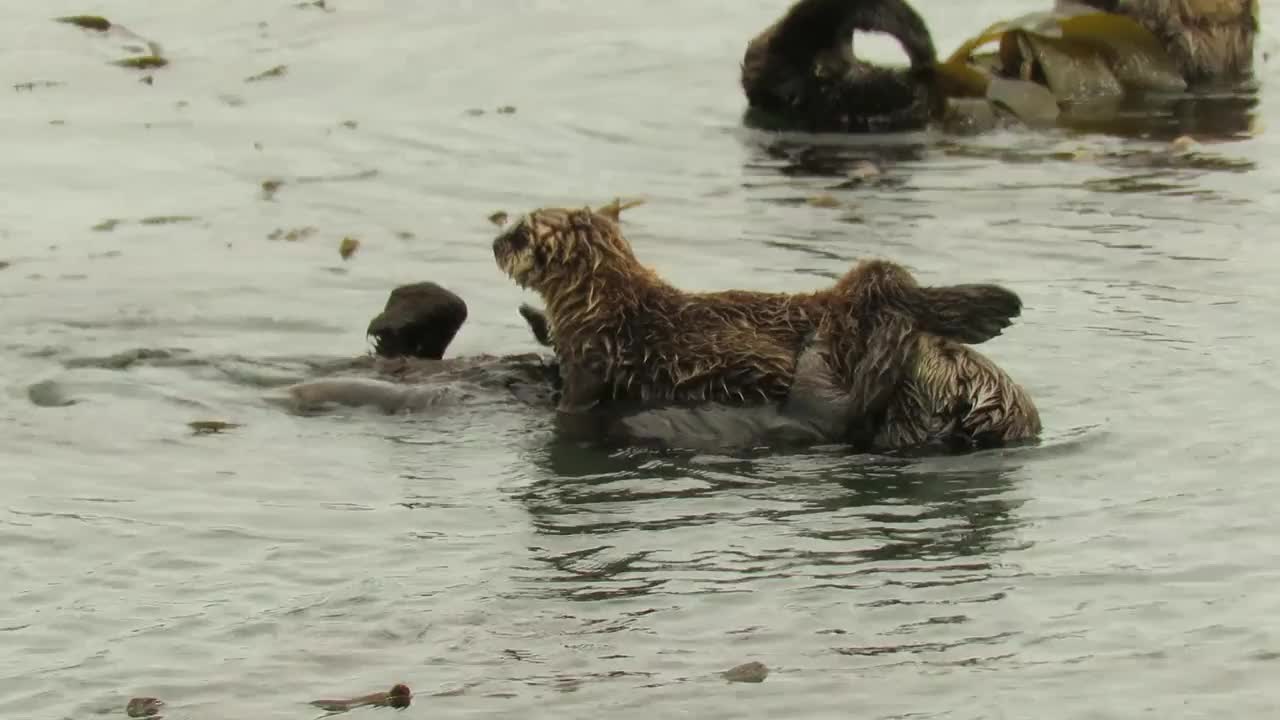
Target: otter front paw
[537,320]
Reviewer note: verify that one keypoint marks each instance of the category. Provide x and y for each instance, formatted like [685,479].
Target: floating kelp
[4,264]
[33,84]
[88,22]
[348,247]
[823,201]
[270,187]
[141,707]
[167,219]
[293,235]
[751,672]
[398,697]
[274,72]
[150,56]
[1074,49]
[210,427]
[142,62]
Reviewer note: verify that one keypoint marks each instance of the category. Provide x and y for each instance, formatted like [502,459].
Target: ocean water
[1125,566]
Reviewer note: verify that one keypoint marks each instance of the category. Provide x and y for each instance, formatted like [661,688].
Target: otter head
[420,320]
[558,251]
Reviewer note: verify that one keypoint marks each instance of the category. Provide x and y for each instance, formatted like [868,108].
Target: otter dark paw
[969,313]
[537,320]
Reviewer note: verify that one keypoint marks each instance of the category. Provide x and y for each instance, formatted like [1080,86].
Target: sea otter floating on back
[802,72]
[872,360]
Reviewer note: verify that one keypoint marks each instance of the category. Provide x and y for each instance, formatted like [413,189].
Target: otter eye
[517,239]
[540,256]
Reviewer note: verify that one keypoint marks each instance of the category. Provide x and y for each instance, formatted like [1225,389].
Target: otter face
[551,248]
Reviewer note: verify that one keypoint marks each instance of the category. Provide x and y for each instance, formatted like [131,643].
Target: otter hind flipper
[970,314]
[537,320]
[813,27]
[803,70]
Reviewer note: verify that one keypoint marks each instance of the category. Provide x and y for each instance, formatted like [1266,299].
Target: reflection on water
[854,522]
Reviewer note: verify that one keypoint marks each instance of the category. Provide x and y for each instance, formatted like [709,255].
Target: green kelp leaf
[88,22]
[961,79]
[1030,102]
[1135,57]
[1074,72]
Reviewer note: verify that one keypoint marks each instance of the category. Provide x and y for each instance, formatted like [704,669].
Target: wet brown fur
[1210,40]
[802,70]
[624,335]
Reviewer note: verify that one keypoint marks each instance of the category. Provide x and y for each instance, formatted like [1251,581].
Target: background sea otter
[625,339]
[1210,40]
[802,72]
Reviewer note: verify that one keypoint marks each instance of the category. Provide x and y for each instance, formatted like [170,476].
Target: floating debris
[348,247]
[4,264]
[269,188]
[398,697]
[404,234]
[823,201]
[349,124]
[147,80]
[1183,144]
[293,235]
[32,85]
[143,707]
[276,71]
[211,427]
[320,4]
[167,219]
[49,393]
[499,218]
[88,22]
[142,62]
[107,225]
[615,208]
[864,170]
[506,110]
[752,672]
[474,112]
[150,57]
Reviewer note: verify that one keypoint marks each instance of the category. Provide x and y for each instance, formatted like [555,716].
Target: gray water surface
[1126,566]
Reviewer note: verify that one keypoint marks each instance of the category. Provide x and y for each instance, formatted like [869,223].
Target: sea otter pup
[627,340]
[802,72]
[409,371]
[1210,40]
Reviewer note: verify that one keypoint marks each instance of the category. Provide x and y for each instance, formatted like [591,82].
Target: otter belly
[389,397]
